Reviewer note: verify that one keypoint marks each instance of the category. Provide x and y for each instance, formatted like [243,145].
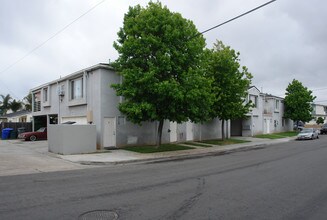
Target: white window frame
[46,96]
[277,104]
[255,101]
[79,99]
[75,93]
[36,101]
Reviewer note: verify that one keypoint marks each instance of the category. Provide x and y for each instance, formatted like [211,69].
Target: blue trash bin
[6,133]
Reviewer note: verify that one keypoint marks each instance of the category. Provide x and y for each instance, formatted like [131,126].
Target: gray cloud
[279,42]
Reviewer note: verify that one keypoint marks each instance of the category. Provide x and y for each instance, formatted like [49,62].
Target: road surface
[286,181]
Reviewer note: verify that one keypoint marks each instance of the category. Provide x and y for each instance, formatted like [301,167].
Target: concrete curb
[190,155]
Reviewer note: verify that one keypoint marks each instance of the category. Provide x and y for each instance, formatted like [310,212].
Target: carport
[43,121]
[39,122]
[236,127]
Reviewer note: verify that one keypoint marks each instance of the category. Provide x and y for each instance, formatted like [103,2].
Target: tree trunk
[161,122]
[222,129]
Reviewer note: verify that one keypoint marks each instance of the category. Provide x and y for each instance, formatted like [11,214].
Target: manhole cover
[99,215]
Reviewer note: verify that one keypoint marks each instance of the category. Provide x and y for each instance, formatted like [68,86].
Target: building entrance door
[109,132]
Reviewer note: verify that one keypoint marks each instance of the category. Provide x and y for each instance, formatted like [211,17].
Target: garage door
[78,120]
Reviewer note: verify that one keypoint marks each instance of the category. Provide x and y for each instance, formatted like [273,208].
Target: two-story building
[274,120]
[318,110]
[86,97]
[265,117]
[252,124]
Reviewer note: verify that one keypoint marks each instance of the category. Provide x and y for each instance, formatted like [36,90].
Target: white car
[308,133]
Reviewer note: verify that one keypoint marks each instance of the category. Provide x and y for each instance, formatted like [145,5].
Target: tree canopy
[320,120]
[5,103]
[28,102]
[15,105]
[298,101]
[8,103]
[230,83]
[160,55]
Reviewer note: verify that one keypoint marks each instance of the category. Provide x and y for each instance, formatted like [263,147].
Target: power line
[319,89]
[51,37]
[241,15]
[92,8]
[43,43]
[9,90]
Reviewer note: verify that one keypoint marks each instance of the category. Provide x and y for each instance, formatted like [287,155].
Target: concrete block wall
[72,139]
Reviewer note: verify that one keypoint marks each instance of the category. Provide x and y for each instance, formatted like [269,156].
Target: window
[277,104]
[121,120]
[76,87]
[254,100]
[36,101]
[45,94]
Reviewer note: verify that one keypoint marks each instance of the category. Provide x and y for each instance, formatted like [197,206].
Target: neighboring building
[274,120]
[264,118]
[252,124]
[318,110]
[19,116]
[86,97]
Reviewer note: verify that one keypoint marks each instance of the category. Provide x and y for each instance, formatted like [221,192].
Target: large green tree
[298,101]
[230,84]
[160,53]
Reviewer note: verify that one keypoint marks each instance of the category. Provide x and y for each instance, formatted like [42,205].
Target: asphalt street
[284,181]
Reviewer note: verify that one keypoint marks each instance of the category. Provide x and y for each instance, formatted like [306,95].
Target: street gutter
[191,155]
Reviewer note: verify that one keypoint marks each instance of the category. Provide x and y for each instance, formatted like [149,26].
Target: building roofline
[271,96]
[18,113]
[254,87]
[72,75]
[319,104]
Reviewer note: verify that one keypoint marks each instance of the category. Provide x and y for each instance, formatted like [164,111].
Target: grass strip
[277,135]
[155,149]
[197,144]
[224,142]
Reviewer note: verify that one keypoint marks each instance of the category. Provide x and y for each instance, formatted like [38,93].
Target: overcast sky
[282,41]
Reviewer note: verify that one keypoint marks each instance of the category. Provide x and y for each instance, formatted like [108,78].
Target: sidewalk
[119,156]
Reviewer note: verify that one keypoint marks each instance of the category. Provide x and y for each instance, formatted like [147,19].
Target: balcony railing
[37,106]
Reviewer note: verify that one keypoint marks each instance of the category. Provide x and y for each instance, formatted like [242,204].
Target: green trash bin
[13,135]
[21,130]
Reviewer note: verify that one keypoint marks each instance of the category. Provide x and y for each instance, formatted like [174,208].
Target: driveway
[20,157]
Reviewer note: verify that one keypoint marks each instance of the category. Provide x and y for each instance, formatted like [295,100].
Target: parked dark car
[323,129]
[40,134]
[298,126]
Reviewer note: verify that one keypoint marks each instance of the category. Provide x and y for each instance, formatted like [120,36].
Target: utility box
[72,139]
